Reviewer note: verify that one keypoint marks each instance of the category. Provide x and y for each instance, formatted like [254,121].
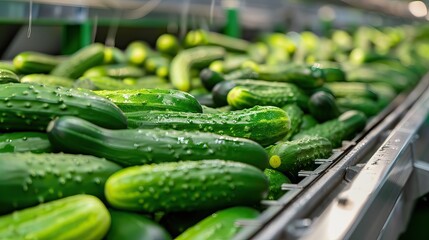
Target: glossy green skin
[308,121]
[352,89]
[295,115]
[144,146]
[263,124]
[133,226]
[244,97]
[34,62]
[276,180]
[323,106]
[292,156]
[345,127]
[368,106]
[30,107]
[220,225]
[182,63]
[186,186]
[34,142]
[178,222]
[302,76]
[152,99]
[79,62]
[82,217]
[101,83]
[7,76]
[210,78]
[29,179]
[114,71]
[49,80]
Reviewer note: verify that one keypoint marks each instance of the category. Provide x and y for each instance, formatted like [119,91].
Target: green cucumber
[101,83]
[152,82]
[202,37]
[182,63]
[384,92]
[28,107]
[295,115]
[345,127]
[35,142]
[133,226]
[220,225]
[49,80]
[178,222]
[210,78]
[114,55]
[79,62]
[208,184]
[232,62]
[352,90]
[258,52]
[81,217]
[308,121]
[152,99]
[323,106]
[29,179]
[7,76]
[114,71]
[244,97]
[144,146]
[167,44]
[34,62]
[367,74]
[263,124]
[293,156]
[332,71]
[8,66]
[205,99]
[368,106]
[158,64]
[276,180]
[137,52]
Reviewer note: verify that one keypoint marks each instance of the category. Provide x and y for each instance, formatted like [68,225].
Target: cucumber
[28,107]
[220,225]
[246,73]
[182,63]
[144,146]
[178,222]
[276,180]
[137,52]
[205,99]
[293,156]
[232,62]
[79,62]
[152,99]
[258,52]
[101,83]
[332,71]
[367,74]
[352,90]
[34,62]
[263,124]
[114,55]
[210,78]
[115,71]
[81,217]
[345,127]
[7,76]
[295,115]
[208,184]
[323,106]
[157,64]
[384,92]
[152,82]
[244,97]
[308,121]
[167,44]
[8,66]
[49,80]
[29,179]
[202,37]
[35,142]
[368,106]
[133,226]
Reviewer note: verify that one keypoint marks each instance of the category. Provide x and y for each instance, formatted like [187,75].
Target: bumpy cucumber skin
[276,180]
[114,71]
[152,99]
[336,130]
[182,63]
[7,76]
[244,97]
[49,80]
[220,225]
[133,226]
[30,107]
[292,156]
[295,115]
[144,146]
[81,217]
[263,124]
[101,83]
[79,62]
[34,62]
[186,186]
[34,142]
[323,107]
[29,179]
[302,76]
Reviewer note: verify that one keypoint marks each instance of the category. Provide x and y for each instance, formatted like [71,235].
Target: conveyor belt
[296,212]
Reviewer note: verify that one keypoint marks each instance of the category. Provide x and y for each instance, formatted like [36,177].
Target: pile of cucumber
[184,140]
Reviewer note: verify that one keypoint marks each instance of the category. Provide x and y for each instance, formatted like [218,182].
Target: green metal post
[75,37]
[232,23]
